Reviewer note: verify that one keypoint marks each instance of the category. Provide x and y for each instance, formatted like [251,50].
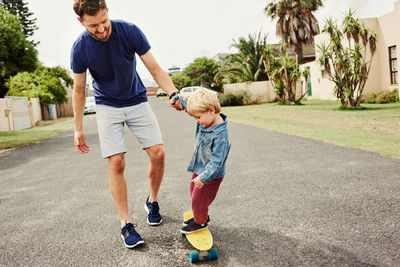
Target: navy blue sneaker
[130,236]
[153,210]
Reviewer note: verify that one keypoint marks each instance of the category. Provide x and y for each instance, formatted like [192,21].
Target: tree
[16,53]
[180,80]
[48,84]
[247,64]
[296,23]
[20,9]
[348,67]
[201,71]
[284,73]
[228,73]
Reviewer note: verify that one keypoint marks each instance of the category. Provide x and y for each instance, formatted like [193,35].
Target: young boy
[208,161]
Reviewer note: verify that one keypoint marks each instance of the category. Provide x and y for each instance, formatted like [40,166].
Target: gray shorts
[139,118]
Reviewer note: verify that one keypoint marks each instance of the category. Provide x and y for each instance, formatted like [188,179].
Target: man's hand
[198,182]
[80,143]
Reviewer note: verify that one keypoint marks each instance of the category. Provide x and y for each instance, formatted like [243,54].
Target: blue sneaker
[153,210]
[130,236]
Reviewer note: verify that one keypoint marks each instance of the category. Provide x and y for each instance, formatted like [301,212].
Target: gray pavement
[285,201]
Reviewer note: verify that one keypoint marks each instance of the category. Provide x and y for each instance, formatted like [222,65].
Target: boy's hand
[179,102]
[198,182]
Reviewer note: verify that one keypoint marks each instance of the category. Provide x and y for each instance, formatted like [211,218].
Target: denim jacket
[211,151]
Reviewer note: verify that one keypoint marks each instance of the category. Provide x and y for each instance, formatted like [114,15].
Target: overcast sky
[178,30]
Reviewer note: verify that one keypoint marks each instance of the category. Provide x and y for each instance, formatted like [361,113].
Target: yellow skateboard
[202,241]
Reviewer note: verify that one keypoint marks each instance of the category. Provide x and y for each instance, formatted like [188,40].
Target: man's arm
[78,104]
[161,77]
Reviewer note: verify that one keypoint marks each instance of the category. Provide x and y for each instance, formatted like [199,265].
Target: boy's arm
[218,157]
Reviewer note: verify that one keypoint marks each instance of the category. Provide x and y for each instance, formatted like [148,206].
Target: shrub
[246,97]
[231,100]
[259,99]
[382,97]
[368,98]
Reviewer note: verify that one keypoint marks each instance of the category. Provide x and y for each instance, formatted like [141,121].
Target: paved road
[285,201]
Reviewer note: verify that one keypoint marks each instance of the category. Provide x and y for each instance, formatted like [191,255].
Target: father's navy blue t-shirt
[112,64]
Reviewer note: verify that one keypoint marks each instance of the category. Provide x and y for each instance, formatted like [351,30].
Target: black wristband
[173,94]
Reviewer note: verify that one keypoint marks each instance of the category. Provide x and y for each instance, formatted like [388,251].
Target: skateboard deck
[202,241]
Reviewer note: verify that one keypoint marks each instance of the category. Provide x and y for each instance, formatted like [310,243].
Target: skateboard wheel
[182,234]
[194,256]
[213,254]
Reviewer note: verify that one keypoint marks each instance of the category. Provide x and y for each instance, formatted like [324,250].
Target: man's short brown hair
[89,7]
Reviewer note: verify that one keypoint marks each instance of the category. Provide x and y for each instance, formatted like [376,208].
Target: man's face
[99,26]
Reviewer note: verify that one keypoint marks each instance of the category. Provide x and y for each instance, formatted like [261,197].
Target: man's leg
[143,123]
[116,165]
[156,169]
[110,124]
[117,181]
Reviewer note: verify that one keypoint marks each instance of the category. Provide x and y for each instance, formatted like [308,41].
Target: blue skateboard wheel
[194,256]
[182,234]
[213,254]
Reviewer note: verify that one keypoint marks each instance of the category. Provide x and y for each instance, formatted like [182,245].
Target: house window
[393,65]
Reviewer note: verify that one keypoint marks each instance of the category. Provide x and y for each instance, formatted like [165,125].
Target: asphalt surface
[285,201]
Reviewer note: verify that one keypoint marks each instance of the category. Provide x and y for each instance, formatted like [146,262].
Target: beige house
[384,71]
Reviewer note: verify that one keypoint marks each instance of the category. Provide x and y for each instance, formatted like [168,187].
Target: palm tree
[284,73]
[348,67]
[247,64]
[296,23]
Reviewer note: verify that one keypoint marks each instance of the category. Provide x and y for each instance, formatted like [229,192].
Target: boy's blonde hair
[201,101]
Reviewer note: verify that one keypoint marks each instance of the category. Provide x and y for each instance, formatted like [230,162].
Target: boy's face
[99,26]
[206,119]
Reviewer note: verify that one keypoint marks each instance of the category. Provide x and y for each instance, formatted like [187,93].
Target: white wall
[261,92]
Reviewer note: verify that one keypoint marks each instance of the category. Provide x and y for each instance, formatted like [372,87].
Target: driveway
[285,201]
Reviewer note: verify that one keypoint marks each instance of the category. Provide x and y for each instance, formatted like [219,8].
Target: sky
[178,30]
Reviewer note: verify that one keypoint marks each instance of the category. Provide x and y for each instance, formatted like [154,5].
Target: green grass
[13,139]
[375,128]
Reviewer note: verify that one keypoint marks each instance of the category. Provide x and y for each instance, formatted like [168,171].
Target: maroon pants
[202,198]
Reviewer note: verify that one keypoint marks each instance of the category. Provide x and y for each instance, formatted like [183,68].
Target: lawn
[375,128]
[45,130]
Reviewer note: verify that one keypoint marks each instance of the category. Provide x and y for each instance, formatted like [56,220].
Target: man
[107,49]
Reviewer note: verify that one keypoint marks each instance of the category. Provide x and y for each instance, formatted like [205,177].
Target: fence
[6,116]
[18,113]
[63,109]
